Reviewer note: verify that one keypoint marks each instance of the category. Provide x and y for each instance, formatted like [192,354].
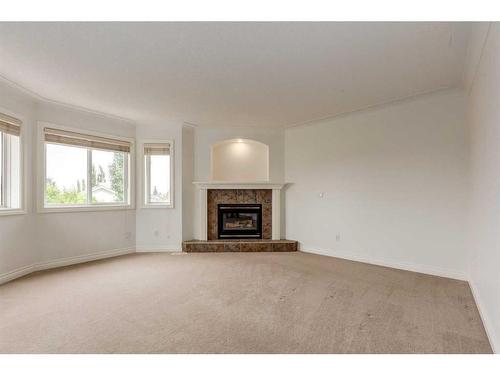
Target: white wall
[160,229]
[477,37]
[206,137]
[17,231]
[188,189]
[484,241]
[394,182]
[242,160]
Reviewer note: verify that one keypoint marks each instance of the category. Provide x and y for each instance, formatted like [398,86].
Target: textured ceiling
[232,74]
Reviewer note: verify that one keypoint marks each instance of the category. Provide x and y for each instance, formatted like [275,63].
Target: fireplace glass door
[239,221]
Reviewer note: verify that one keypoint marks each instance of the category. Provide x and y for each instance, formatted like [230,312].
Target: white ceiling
[232,74]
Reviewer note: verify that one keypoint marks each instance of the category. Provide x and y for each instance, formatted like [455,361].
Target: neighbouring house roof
[102,188]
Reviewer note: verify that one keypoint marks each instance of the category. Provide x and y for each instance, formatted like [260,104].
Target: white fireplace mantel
[203,186]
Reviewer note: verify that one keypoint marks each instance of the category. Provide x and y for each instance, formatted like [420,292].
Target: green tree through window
[66,196]
[116,171]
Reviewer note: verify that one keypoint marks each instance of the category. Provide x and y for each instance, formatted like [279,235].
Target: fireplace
[239,221]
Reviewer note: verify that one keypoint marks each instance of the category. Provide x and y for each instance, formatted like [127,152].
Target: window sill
[85,208]
[146,206]
[12,211]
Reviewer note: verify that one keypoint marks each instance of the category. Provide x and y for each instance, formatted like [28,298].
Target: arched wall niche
[239,160]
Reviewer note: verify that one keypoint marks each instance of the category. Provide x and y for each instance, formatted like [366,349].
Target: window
[83,170]
[158,174]
[10,163]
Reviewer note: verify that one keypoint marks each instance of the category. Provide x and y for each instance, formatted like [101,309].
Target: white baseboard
[22,271]
[157,248]
[487,322]
[11,275]
[19,272]
[420,268]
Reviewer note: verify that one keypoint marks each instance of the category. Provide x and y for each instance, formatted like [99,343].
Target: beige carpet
[237,303]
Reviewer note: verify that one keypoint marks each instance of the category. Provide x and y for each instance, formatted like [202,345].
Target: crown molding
[39,98]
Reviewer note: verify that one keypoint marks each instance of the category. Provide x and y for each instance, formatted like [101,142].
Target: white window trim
[142,191]
[22,165]
[42,172]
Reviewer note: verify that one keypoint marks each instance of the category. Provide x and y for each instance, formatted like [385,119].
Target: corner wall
[17,232]
[204,138]
[394,185]
[160,229]
[484,224]
[188,190]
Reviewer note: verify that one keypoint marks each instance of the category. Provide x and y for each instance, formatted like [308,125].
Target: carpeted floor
[237,303]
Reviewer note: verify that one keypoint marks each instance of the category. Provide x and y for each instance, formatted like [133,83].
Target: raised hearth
[250,246]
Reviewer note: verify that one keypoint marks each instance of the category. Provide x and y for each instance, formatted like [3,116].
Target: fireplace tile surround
[213,193]
[271,188]
[243,196]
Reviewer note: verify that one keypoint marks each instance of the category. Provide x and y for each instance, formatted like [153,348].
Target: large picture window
[158,174]
[83,170]
[10,163]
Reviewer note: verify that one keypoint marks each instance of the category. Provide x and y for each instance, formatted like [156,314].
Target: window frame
[21,210]
[103,206]
[145,172]
[3,171]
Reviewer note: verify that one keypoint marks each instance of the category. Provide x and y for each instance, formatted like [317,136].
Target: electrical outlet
[128,235]
[156,233]
[337,237]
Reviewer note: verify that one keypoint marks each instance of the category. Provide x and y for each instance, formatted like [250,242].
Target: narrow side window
[158,174]
[10,163]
